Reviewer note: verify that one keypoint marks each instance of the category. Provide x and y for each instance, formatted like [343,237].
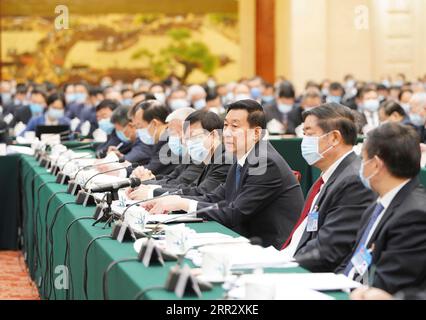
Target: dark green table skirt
[9,201]
[124,280]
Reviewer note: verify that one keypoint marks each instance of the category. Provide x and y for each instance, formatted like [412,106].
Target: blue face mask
[36,108]
[310,149]
[175,145]
[6,97]
[284,108]
[55,113]
[127,102]
[106,126]
[365,181]
[268,99]
[255,93]
[120,135]
[70,97]
[178,104]
[334,99]
[80,97]
[200,104]
[145,137]
[417,119]
[371,105]
[197,151]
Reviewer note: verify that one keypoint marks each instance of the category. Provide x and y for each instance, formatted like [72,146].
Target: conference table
[125,280]
[30,187]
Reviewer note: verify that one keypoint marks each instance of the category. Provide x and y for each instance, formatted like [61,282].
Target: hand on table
[367,293]
[114,150]
[166,204]
[143,174]
[143,192]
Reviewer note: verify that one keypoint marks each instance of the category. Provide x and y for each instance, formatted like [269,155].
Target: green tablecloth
[124,280]
[290,150]
[423,176]
[9,202]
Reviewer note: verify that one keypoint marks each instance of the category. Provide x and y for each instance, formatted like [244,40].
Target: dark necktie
[308,204]
[237,176]
[376,213]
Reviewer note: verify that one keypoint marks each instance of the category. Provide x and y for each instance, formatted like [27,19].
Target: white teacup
[256,289]
[177,239]
[216,263]
[29,136]
[136,218]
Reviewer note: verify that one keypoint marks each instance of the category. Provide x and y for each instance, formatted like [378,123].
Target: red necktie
[308,204]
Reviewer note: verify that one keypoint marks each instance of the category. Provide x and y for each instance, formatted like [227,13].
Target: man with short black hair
[326,230]
[204,146]
[121,138]
[261,196]
[390,248]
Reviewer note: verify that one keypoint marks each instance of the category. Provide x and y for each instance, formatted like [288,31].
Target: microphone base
[86,199]
[73,188]
[44,162]
[55,170]
[62,178]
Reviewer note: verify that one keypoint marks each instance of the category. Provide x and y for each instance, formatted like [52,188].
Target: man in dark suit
[151,127]
[203,133]
[327,227]
[185,172]
[280,110]
[36,108]
[390,248]
[261,196]
[310,99]
[120,139]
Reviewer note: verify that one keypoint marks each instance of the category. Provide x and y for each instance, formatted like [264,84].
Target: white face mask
[310,149]
[372,105]
[161,97]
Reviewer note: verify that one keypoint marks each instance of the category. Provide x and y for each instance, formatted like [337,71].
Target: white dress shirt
[385,201]
[297,235]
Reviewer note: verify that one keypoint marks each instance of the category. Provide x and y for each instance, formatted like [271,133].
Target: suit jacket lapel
[342,166]
[393,206]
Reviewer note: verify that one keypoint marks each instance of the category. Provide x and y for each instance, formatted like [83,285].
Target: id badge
[312,224]
[361,260]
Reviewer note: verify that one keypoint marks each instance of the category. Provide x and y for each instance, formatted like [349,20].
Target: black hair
[334,86]
[55,96]
[390,107]
[398,146]
[334,116]
[209,120]
[286,90]
[211,95]
[119,116]
[21,88]
[94,91]
[107,103]
[256,115]
[153,109]
[40,92]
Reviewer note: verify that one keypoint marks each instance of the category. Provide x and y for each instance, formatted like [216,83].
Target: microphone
[74,187]
[146,200]
[133,165]
[120,160]
[180,216]
[81,157]
[110,187]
